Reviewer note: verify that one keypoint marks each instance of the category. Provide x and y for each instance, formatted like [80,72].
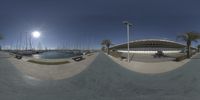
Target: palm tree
[198,48]
[107,44]
[189,37]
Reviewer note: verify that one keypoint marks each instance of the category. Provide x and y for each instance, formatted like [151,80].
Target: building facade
[151,46]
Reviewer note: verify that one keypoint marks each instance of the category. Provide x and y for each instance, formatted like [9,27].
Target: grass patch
[48,63]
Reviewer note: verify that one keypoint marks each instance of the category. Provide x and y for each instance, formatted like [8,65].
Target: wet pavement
[103,80]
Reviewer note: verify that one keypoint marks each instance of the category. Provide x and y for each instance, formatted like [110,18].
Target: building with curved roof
[149,46]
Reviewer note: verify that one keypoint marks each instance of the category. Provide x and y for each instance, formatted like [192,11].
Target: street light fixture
[128,25]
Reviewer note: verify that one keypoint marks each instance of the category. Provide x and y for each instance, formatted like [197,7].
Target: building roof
[150,43]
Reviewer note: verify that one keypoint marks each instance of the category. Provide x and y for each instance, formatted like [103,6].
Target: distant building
[151,46]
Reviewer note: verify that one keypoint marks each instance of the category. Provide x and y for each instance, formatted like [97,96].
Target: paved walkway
[151,58]
[103,80]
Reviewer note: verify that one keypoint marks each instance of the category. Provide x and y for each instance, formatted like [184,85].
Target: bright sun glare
[36,34]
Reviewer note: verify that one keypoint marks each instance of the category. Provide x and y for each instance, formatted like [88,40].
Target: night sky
[84,23]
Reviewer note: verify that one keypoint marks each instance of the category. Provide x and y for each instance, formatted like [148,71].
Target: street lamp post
[128,25]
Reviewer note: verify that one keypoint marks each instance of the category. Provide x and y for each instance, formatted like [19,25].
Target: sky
[85,23]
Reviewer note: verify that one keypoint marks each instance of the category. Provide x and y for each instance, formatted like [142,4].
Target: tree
[189,37]
[107,44]
[198,48]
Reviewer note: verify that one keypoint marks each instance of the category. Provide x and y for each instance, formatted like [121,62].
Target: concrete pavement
[103,80]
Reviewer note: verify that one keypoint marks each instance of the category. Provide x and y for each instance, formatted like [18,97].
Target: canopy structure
[151,45]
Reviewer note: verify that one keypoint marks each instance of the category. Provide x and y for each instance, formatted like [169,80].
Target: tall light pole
[128,25]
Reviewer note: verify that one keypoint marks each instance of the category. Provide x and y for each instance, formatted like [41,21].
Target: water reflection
[57,54]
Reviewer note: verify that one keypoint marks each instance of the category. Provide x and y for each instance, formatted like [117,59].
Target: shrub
[115,54]
[193,53]
[180,58]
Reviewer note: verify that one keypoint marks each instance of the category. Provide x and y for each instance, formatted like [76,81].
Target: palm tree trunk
[108,51]
[188,49]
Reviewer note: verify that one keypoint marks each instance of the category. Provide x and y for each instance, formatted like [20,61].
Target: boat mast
[26,41]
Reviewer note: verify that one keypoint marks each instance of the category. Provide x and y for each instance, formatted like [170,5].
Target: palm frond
[193,35]
[189,36]
[182,37]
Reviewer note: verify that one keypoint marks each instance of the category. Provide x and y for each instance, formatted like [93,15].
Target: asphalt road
[103,80]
